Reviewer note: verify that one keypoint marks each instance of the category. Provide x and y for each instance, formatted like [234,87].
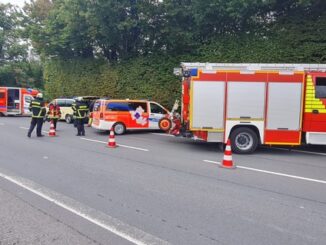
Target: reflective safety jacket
[54,112]
[37,108]
[80,110]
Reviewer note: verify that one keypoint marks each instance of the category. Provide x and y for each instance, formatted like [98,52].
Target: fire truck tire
[119,128]
[244,140]
[165,124]
[68,119]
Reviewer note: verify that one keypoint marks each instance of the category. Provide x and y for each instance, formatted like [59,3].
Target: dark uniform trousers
[80,111]
[38,122]
[80,126]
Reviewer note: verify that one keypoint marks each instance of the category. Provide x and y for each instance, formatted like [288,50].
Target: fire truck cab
[253,104]
[16,101]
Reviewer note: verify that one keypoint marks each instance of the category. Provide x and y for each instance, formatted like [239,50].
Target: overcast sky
[20,3]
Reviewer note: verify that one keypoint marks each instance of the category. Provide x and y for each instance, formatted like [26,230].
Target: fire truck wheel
[165,124]
[244,140]
[119,128]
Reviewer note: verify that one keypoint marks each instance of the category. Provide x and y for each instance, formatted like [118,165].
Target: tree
[11,47]
[15,69]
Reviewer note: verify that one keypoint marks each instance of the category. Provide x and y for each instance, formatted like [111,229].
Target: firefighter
[80,110]
[54,114]
[38,113]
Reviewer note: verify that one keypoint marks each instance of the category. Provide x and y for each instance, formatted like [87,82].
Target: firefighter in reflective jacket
[38,113]
[54,114]
[80,109]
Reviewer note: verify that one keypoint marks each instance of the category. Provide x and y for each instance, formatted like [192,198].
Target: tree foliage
[15,69]
[10,47]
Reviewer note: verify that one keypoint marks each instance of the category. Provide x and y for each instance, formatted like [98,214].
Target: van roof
[123,100]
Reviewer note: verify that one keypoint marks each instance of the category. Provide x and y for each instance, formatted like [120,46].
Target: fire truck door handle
[315,112]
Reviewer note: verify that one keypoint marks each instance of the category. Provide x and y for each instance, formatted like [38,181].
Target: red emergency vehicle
[122,115]
[253,104]
[15,101]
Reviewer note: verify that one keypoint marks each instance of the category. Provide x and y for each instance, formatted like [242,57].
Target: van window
[321,87]
[157,109]
[126,106]
[134,105]
[28,99]
[117,106]
[2,95]
[61,103]
[69,103]
[97,106]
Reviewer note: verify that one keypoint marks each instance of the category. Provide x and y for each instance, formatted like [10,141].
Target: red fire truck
[15,101]
[253,104]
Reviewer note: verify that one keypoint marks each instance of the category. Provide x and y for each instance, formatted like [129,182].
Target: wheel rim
[244,141]
[119,129]
[165,124]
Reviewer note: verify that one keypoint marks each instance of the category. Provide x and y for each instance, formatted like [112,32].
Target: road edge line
[102,220]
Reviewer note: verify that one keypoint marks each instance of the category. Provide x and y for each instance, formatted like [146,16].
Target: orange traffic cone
[52,129]
[227,159]
[111,143]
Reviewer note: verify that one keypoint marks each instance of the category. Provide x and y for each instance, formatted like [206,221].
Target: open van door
[14,101]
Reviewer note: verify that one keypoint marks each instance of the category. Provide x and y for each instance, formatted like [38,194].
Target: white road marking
[125,231]
[274,173]
[300,151]
[167,135]
[125,146]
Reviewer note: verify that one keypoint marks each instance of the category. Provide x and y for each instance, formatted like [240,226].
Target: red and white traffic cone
[52,129]
[227,159]
[111,143]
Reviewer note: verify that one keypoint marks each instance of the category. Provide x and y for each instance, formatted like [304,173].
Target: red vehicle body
[253,104]
[15,101]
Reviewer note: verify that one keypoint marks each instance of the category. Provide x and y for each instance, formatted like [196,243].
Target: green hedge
[142,78]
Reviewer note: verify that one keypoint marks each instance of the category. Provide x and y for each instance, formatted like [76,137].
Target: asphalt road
[154,189]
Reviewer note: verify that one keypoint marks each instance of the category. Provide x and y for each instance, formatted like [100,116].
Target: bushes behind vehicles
[141,78]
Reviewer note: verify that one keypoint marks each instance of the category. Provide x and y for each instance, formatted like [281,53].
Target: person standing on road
[54,114]
[38,112]
[80,110]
